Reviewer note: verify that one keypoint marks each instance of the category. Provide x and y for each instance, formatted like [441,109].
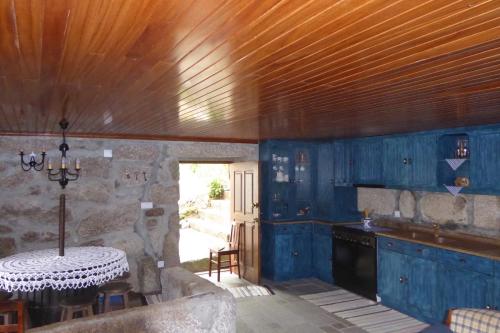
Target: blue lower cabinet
[462,288]
[322,256]
[495,302]
[302,256]
[422,288]
[391,270]
[284,263]
[425,282]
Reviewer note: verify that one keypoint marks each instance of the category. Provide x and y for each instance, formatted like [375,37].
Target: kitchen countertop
[474,245]
[416,233]
[312,221]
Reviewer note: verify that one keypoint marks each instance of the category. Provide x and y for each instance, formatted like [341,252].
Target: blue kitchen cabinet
[425,282]
[424,161]
[495,301]
[288,249]
[288,175]
[322,252]
[391,272]
[333,203]
[485,161]
[396,161]
[422,286]
[342,163]
[368,161]
[284,263]
[324,187]
[410,161]
[463,288]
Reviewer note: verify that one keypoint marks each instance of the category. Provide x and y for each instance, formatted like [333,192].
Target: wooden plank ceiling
[247,70]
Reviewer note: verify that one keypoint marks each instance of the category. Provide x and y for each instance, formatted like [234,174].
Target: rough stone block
[150,224]
[98,167]
[443,208]
[138,152]
[149,276]
[380,201]
[155,212]
[487,212]
[4,229]
[7,247]
[407,204]
[162,195]
[105,220]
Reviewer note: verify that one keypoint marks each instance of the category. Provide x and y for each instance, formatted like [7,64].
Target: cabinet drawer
[391,244]
[420,251]
[292,228]
[466,261]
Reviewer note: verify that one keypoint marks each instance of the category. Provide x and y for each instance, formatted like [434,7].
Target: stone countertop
[474,245]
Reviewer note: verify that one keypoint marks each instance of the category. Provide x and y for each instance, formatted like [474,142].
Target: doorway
[204,211]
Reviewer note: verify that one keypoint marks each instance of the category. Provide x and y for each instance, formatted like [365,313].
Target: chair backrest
[236,234]
[474,320]
[13,306]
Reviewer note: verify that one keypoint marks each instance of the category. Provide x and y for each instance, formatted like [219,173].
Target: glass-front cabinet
[287,179]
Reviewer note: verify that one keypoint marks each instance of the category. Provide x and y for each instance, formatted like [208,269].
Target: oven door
[355,267]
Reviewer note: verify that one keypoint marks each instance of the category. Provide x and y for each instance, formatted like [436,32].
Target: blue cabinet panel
[495,301]
[467,262]
[284,263]
[392,267]
[342,159]
[367,158]
[422,287]
[462,288]
[322,248]
[424,160]
[302,251]
[485,161]
[396,161]
[324,187]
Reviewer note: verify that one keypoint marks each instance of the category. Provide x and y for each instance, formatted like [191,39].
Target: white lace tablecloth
[80,267]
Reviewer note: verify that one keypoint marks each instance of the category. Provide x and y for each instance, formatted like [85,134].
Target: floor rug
[365,313]
[249,291]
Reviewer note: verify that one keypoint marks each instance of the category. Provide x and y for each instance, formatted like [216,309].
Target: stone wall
[474,214]
[103,206]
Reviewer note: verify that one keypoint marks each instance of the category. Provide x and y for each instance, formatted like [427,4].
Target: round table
[81,267]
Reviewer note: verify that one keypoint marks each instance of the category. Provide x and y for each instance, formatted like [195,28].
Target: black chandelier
[32,163]
[63,175]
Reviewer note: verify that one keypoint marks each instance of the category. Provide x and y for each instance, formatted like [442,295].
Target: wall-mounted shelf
[453,164]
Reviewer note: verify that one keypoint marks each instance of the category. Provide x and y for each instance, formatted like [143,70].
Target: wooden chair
[71,306]
[231,251]
[13,306]
[120,289]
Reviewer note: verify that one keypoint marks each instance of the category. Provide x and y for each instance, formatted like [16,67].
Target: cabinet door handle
[419,250]
[295,253]
[488,307]
[401,279]
[462,260]
[389,244]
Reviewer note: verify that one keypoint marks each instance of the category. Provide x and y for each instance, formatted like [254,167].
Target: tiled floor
[285,311]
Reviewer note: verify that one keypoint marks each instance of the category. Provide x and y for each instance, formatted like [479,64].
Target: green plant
[187,212]
[216,190]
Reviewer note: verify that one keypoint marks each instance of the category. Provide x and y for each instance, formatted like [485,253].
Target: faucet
[436,227]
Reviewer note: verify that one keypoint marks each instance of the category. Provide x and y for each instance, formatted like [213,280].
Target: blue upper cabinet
[410,161]
[288,179]
[324,187]
[485,161]
[396,161]
[342,161]
[424,160]
[367,159]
